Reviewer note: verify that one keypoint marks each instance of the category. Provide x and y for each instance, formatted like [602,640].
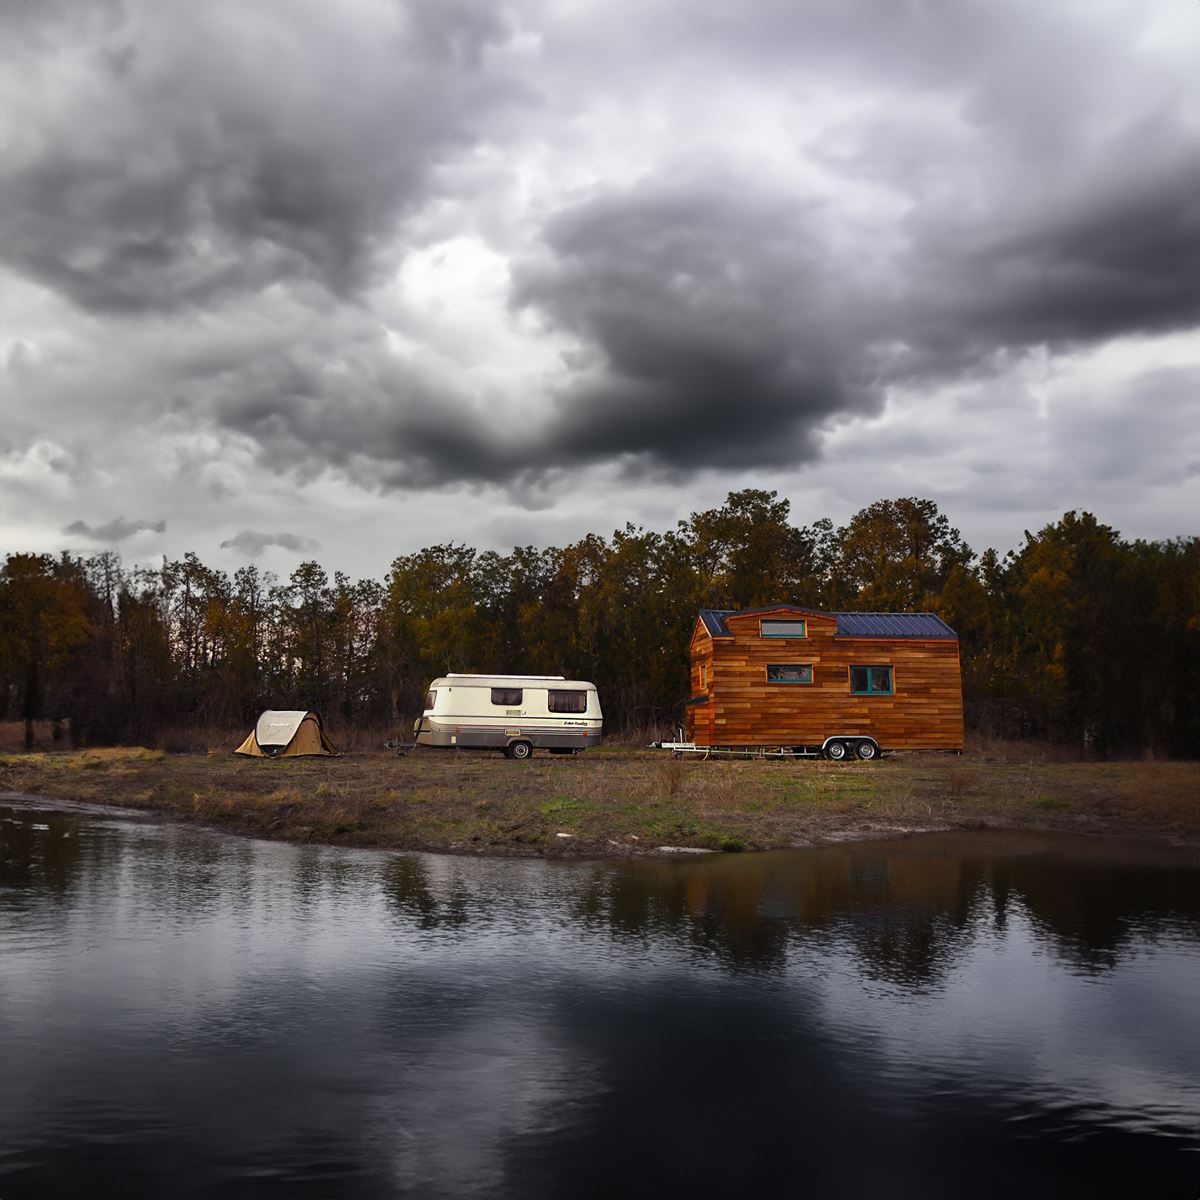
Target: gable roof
[849,624]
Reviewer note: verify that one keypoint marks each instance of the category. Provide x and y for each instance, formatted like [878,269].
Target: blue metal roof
[893,625]
[850,624]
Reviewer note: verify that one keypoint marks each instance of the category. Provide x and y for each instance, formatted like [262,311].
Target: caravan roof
[496,681]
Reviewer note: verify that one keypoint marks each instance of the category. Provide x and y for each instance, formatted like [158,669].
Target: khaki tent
[286,734]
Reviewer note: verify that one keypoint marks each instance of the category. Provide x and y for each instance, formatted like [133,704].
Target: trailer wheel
[519,750]
[836,751]
[867,750]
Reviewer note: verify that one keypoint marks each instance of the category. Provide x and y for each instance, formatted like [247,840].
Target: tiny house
[513,713]
[836,683]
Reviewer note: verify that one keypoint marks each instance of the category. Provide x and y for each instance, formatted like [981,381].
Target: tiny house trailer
[513,713]
[795,682]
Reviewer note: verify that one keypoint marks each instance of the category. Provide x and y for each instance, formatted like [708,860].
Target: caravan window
[567,702]
[507,697]
[430,697]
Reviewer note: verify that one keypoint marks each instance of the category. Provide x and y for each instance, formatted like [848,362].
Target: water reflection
[36,850]
[907,907]
[188,1014]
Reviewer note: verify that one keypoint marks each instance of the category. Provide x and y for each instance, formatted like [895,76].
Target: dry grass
[612,801]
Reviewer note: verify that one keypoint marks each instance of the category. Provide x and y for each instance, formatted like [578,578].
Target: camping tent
[286,734]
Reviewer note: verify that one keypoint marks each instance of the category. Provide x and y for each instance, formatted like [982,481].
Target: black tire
[867,750]
[520,751]
[837,751]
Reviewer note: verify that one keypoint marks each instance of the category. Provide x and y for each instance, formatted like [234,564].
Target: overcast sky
[292,279]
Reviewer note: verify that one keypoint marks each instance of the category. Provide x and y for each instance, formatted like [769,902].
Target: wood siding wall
[698,718]
[742,709]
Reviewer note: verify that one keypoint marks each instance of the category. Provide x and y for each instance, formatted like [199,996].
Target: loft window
[507,697]
[562,701]
[871,681]
[703,678]
[792,629]
[789,673]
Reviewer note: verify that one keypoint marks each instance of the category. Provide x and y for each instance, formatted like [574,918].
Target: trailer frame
[838,747]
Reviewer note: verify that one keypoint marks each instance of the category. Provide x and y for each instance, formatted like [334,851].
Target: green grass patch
[556,806]
[1049,803]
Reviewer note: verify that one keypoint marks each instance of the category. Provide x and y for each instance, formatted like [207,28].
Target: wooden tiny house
[843,683]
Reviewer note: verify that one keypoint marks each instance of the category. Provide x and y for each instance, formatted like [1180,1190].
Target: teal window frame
[871,690]
[802,634]
[791,666]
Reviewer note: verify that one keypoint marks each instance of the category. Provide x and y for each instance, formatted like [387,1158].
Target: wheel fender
[836,737]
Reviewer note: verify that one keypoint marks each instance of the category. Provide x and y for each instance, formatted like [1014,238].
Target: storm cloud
[344,259]
[252,544]
[215,149]
[116,530]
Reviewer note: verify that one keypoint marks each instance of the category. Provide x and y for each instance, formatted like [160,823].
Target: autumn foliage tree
[1077,635]
[43,618]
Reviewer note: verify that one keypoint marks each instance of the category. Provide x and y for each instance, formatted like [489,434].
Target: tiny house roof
[849,624]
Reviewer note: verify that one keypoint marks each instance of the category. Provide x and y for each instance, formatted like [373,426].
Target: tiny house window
[789,673]
[562,701]
[507,697]
[871,681]
[430,697]
[792,629]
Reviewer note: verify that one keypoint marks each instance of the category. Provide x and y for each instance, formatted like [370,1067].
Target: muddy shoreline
[617,804]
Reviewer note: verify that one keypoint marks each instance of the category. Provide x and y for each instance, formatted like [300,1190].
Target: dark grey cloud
[116,530]
[727,329]
[722,325]
[230,148]
[717,325]
[252,544]
[1118,259]
[359,411]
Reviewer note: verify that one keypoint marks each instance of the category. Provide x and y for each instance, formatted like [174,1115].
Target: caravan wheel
[867,750]
[519,750]
[836,751]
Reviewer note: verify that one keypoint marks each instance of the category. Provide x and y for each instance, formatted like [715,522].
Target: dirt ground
[617,803]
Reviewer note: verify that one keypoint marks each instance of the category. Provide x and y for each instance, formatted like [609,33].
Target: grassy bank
[613,802]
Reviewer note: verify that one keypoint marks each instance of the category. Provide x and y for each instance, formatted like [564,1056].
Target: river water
[188,1014]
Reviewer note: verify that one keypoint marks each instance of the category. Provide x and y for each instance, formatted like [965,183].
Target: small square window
[789,673]
[507,697]
[871,681]
[783,629]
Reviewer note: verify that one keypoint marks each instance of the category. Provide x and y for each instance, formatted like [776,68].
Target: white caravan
[513,713]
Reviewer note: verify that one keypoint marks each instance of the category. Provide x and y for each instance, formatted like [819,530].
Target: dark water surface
[185,1014]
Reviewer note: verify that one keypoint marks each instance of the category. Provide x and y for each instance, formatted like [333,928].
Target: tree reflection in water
[906,908]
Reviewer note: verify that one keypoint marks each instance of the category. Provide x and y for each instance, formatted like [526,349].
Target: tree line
[1078,635]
